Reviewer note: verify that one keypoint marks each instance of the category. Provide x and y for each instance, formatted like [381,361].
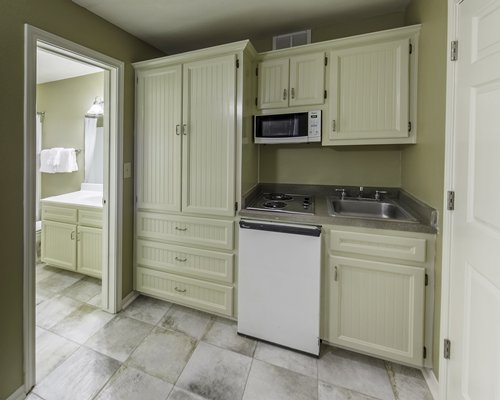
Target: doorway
[105,233]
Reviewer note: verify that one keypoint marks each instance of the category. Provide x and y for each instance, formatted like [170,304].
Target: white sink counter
[86,198]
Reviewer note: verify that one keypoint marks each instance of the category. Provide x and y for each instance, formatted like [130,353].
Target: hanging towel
[48,160]
[66,160]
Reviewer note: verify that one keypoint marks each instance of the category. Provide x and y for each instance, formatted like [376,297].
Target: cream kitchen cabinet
[294,81]
[190,110]
[72,238]
[374,293]
[370,94]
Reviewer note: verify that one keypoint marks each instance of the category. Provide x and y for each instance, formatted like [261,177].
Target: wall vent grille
[291,39]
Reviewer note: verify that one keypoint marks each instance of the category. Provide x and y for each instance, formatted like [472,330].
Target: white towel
[66,160]
[48,160]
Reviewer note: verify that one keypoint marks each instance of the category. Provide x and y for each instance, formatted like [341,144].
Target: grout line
[392,378]
[248,377]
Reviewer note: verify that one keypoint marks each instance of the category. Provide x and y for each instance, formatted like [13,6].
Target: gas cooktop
[283,203]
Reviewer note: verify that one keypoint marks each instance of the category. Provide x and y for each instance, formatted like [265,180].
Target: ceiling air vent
[291,39]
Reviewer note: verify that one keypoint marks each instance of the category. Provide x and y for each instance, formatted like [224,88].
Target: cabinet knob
[181,229]
[336,274]
[180,259]
[284,94]
[184,129]
[180,290]
[334,126]
[177,129]
[292,93]
[72,236]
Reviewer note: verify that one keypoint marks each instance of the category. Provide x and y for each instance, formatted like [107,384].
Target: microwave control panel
[314,126]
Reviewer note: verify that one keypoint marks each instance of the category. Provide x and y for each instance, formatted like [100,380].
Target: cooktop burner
[278,196]
[274,204]
[283,203]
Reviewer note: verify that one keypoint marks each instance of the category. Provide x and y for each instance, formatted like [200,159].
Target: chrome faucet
[342,193]
[378,194]
[361,189]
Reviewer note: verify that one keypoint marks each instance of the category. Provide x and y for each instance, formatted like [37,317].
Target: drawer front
[186,230]
[192,292]
[60,214]
[384,246]
[204,264]
[90,218]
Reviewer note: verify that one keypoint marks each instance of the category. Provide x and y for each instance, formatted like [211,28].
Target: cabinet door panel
[159,140]
[377,308]
[369,92]
[209,139]
[307,79]
[90,251]
[273,83]
[59,244]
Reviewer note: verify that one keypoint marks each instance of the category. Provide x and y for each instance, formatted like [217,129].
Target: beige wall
[314,164]
[423,164]
[65,103]
[66,19]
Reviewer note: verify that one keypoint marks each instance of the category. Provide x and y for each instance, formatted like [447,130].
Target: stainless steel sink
[367,208]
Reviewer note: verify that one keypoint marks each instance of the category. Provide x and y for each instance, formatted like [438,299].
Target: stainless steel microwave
[299,127]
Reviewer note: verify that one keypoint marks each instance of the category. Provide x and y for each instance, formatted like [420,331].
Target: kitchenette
[268,191]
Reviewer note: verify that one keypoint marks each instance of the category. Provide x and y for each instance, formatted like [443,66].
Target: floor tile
[80,377]
[82,323]
[43,271]
[43,295]
[51,311]
[84,289]
[59,281]
[332,392]
[268,382]
[191,322]
[163,354]
[181,394]
[132,384]
[215,373]
[223,333]
[409,383]
[295,361]
[119,338]
[51,350]
[356,372]
[96,301]
[147,309]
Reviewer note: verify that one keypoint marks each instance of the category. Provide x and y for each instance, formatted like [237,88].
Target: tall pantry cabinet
[189,129]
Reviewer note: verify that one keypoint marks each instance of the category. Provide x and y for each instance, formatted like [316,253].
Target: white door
[474,303]
[307,79]
[273,83]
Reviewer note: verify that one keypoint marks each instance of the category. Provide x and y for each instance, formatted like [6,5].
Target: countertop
[425,215]
[86,198]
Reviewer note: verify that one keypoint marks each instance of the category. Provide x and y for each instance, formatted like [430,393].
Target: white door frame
[451,81]
[113,190]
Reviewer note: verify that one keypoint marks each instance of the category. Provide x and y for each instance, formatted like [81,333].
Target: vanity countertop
[86,198]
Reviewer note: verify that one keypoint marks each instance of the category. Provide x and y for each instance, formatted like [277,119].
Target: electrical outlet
[127,170]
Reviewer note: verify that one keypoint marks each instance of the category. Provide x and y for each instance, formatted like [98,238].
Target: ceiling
[179,25]
[51,67]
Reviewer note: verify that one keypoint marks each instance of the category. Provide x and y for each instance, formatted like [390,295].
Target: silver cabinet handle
[336,274]
[180,290]
[72,236]
[177,129]
[334,127]
[292,93]
[181,229]
[184,129]
[180,259]
[284,94]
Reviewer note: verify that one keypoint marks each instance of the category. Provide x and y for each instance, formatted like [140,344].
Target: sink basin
[362,208]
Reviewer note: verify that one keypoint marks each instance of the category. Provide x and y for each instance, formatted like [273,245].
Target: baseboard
[432,382]
[19,394]
[129,298]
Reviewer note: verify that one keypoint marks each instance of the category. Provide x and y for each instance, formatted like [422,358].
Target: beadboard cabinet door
[273,83]
[89,251]
[307,79]
[159,139]
[59,244]
[209,136]
[377,308]
[369,88]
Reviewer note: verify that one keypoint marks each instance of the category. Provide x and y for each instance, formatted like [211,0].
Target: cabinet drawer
[60,214]
[186,230]
[374,245]
[90,218]
[204,264]
[191,292]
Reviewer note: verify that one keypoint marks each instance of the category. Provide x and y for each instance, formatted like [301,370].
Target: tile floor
[154,350]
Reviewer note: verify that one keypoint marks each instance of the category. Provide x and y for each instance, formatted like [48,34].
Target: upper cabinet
[370,101]
[291,81]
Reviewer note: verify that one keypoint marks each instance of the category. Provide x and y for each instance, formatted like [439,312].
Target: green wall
[423,164]
[66,19]
[65,103]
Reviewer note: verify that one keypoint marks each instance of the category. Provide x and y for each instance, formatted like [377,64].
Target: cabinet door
[209,136]
[273,83]
[159,139]
[89,251]
[307,79]
[59,244]
[377,308]
[369,89]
